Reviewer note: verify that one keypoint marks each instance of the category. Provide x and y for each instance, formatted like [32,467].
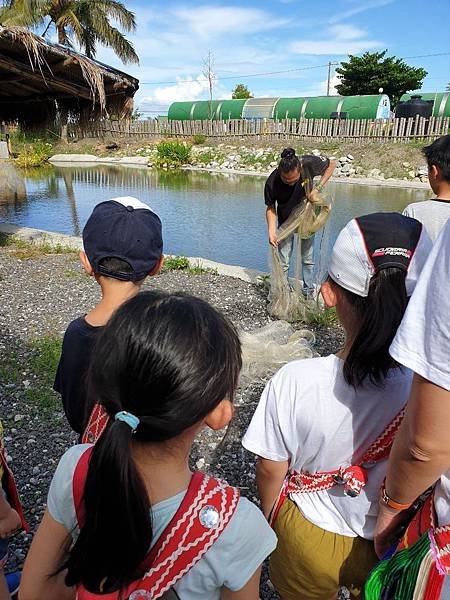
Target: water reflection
[217,216]
[12,184]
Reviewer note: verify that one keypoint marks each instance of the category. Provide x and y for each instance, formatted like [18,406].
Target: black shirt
[287,196]
[70,379]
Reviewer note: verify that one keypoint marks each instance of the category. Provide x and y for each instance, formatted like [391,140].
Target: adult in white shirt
[317,418]
[421,453]
[434,213]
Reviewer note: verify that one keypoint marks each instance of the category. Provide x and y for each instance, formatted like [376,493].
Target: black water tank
[338,115]
[414,106]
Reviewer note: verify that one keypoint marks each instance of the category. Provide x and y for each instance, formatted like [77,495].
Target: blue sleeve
[249,540]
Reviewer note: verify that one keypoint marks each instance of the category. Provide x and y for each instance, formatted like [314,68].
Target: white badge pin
[209,517]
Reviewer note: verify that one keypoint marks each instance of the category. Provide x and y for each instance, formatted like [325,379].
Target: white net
[266,349]
[286,301]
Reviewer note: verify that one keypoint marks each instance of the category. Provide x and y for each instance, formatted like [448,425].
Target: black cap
[127,229]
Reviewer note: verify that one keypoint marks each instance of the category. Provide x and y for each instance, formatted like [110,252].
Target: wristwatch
[387,501]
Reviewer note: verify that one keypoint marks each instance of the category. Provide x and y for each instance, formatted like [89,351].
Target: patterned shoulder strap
[205,511]
[10,488]
[98,420]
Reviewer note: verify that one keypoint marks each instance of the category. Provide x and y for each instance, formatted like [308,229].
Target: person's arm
[250,591]
[270,475]
[271,217]
[47,552]
[326,175]
[420,454]
[9,519]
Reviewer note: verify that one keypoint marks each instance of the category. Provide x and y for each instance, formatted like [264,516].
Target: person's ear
[220,416]
[86,264]
[434,172]
[157,268]
[329,294]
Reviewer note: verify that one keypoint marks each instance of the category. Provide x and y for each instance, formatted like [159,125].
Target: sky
[173,39]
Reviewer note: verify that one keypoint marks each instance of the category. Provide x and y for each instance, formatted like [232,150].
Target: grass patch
[198,139]
[173,153]
[181,263]
[73,273]
[25,250]
[323,317]
[35,371]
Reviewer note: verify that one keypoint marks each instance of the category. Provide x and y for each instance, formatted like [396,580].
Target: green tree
[88,22]
[241,92]
[368,73]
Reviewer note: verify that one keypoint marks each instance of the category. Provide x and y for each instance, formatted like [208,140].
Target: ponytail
[289,161]
[115,535]
[377,318]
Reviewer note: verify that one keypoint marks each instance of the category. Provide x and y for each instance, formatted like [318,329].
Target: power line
[267,73]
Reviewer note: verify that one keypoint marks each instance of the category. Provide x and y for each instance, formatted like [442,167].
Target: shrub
[198,139]
[34,155]
[173,153]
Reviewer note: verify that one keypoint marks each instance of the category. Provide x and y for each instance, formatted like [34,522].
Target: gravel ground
[40,296]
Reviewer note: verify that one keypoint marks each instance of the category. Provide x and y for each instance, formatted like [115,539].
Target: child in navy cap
[122,245]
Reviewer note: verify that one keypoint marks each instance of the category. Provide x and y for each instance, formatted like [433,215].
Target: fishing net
[286,301]
[266,349]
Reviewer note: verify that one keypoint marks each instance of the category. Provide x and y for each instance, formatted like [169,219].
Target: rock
[315,152]
[374,173]
[18,418]
[350,157]
[421,171]
[343,159]
[359,170]
[68,158]
[345,168]
[200,463]
[411,174]
[405,164]
[424,179]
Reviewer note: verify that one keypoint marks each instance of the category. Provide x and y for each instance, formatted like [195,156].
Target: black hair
[169,359]
[438,154]
[289,161]
[114,266]
[377,318]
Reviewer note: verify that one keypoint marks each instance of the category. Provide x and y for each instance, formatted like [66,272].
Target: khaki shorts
[311,563]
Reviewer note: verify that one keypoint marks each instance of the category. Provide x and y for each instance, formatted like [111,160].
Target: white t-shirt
[433,214]
[311,417]
[423,339]
[231,561]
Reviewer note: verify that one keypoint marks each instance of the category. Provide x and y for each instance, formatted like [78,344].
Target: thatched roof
[40,80]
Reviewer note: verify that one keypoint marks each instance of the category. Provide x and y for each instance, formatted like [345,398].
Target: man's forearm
[271,218]
[421,451]
[327,173]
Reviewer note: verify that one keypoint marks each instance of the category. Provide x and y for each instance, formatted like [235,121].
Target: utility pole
[330,64]
[208,73]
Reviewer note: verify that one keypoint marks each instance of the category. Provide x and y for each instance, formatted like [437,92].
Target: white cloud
[209,21]
[342,39]
[361,7]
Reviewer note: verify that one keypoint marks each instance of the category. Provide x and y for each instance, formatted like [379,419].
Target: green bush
[198,139]
[34,155]
[173,153]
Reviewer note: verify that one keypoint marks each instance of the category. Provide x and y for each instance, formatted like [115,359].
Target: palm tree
[86,21]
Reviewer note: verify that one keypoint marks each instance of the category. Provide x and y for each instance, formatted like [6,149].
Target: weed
[45,353]
[73,273]
[176,263]
[24,249]
[10,368]
[206,157]
[317,315]
[181,263]
[173,153]
[198,139]
[35,154]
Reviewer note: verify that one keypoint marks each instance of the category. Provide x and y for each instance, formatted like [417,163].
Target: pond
[215,216]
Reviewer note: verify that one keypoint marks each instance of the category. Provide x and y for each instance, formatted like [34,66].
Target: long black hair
[169,359]
[376,319]
[289,161]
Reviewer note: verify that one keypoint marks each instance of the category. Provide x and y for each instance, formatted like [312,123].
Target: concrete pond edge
[84,160]
[40,237]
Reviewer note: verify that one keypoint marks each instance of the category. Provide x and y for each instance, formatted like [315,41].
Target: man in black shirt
[284,191]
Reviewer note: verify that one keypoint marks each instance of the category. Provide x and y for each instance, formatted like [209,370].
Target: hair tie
[127,418]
